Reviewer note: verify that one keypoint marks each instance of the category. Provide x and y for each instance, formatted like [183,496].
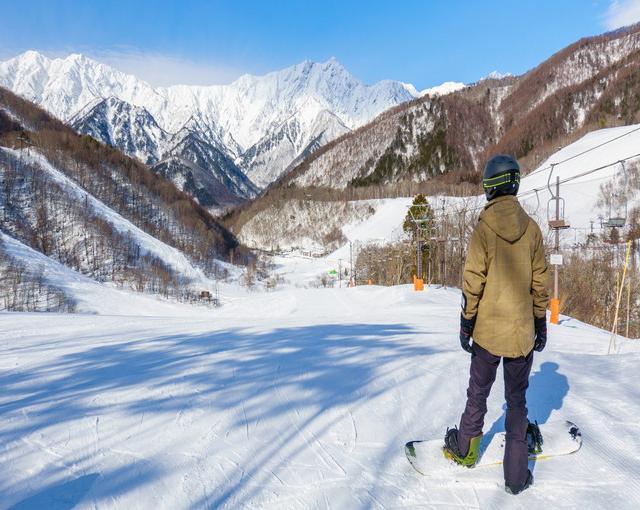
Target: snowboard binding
[534,438]
[451,449]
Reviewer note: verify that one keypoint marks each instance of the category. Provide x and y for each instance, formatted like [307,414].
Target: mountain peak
[31,54]
[495,75]
[443,89]
[333,62]
[30,57]
[306,66]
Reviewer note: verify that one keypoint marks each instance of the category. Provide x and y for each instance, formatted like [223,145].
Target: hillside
[590,84]
[57,288]
[103,214]
[600,179]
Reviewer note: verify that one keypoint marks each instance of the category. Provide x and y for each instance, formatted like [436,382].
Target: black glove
[466,330]
[541,333]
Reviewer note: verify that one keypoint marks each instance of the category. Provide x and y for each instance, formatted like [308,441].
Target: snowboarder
[504,301]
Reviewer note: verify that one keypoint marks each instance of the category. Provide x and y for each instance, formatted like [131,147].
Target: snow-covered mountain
[130,128]
[263,123]
[99,213]
[193,158]
[294,139]
[441,90]
[204,171]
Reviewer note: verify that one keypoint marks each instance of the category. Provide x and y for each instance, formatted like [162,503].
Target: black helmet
[501,176]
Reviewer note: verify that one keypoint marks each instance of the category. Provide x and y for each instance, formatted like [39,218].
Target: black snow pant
[516,381]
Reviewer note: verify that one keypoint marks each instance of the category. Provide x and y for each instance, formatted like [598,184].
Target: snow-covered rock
[294,139]
[495,75]
[441,90]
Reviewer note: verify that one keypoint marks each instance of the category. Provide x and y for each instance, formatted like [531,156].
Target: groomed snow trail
[293,399]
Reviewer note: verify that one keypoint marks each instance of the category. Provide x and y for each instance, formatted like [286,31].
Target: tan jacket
[505,278]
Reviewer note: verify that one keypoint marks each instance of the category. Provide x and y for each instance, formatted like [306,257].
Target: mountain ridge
[263,124]
[586,83]
[241,113]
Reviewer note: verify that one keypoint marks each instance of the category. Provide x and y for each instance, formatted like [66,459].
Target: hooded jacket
[505,279]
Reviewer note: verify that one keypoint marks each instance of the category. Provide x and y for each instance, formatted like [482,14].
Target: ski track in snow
[309,410]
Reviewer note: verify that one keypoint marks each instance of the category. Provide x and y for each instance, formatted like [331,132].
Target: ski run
[299,397]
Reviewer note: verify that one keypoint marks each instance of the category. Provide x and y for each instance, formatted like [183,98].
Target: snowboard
[558,438]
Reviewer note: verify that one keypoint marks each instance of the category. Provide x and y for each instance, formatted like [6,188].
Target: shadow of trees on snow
[321,368]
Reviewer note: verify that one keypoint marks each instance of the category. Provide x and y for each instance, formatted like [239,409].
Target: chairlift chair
[555,205]
[615,222]
[560,221]
[618,202]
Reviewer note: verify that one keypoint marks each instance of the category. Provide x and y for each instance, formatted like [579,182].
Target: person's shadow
[547,389]
[546,392]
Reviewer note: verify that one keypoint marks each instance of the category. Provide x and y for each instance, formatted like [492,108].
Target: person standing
[504,302]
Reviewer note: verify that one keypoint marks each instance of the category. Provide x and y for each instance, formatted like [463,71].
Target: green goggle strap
[499,180]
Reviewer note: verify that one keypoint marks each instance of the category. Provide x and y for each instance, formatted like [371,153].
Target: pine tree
[420,218]
[420,212]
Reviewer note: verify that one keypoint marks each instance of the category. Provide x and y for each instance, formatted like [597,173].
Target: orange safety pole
[555,301]
[555,310]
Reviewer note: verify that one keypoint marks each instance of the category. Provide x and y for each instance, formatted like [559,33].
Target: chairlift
[618,202]
[555,205]
[537,201]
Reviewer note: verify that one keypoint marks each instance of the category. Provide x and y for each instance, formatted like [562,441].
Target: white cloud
[621,13]
[158,69]
[164,70]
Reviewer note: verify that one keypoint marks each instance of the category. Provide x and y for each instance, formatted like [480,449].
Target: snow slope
[90,296]
[306,406]
[148,244]
[581,194]
[604,147]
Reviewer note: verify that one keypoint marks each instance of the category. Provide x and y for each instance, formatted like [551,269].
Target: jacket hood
[506,217]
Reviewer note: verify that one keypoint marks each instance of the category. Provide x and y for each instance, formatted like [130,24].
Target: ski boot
[515,489]
[452,452]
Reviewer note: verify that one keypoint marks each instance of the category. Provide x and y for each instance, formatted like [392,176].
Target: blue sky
[420,42]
